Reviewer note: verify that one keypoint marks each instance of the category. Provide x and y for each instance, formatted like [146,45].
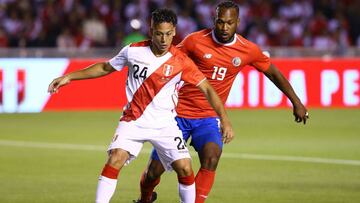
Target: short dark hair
[163,15]
[227,5]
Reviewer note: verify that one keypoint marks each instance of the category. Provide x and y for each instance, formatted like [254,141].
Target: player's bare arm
[215,102]
[300,112]
[93,71]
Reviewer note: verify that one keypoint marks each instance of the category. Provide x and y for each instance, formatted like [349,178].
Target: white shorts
[167,141]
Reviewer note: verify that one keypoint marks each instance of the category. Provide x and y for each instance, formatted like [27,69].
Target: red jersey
[220,63]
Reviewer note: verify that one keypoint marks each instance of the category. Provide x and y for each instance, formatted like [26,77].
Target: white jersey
[151,86]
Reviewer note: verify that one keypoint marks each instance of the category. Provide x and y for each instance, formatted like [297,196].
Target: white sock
[187,193]
[105,189]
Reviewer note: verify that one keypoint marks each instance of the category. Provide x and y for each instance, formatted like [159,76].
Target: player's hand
[57,83]
[227,132]
[300,113]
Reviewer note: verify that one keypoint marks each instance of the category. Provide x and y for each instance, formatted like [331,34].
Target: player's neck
[157,52]
[225,42]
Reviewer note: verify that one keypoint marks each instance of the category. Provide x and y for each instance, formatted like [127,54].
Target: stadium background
[56,155]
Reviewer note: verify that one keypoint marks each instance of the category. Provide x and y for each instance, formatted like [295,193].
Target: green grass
[35,174]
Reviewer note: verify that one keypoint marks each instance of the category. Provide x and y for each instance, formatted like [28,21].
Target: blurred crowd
[321,24]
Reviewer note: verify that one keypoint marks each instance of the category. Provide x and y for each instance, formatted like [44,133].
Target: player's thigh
[185,128]
[170,146]
[206,131]
[130,138]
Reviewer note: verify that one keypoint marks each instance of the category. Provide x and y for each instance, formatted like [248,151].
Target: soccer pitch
[57,157]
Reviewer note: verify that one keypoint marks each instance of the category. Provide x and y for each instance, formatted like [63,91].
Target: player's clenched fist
[57,83]
[300,113]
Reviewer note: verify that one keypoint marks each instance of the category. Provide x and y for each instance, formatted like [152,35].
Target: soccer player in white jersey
[155,69]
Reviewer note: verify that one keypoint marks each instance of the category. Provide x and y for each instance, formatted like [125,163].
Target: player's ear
[174,33]
[238,22]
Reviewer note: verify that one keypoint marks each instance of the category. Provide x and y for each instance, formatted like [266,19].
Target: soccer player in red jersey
[155,68]
[220,54]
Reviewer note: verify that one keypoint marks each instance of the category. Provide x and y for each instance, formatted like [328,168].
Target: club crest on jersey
[207,56]
[167,70]
[236,61]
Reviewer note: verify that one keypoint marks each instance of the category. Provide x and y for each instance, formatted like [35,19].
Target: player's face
[226,22]
[161,36]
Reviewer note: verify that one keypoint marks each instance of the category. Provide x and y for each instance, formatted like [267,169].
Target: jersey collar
[225,44]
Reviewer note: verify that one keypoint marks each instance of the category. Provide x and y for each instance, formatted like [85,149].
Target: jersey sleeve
[260,61]
[186,44]
[119,61]
[191,73]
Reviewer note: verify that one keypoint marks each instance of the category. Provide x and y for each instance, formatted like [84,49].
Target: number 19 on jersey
[219,73]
